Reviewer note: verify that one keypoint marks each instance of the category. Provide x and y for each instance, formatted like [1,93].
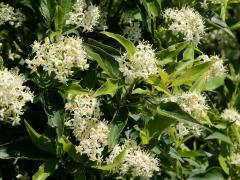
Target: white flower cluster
[133,31]
[93,139]
[131,27]
[141,64]
[84,108]
[84,16]
[184,129]
[235,159]
[59,58]
[136,161]
[7,14]
[91,133]
[191,102]
[187,22]
[13,96]
[217,69]
[231,114]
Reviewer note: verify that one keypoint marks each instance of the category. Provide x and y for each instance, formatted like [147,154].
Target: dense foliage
[120,89]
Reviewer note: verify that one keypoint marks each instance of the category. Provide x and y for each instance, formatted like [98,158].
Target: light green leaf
[128,45]
[46,169]
[223,164]
[219,136]
[108,88]
[74,88]
[192,74]
[41,141]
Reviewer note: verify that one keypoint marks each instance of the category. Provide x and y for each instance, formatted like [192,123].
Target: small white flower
[59,58]
[7,14]
[13,96]
[191,102]
[231,114]
[141,64]
[133,31]
[235,159]
[136,161]
[217,69]
[93,139]
[83,108]
[91,133]
[184,129]
[83,16]
[187,22]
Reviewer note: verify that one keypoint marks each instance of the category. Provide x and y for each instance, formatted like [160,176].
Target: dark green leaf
[117,126]
[41,141]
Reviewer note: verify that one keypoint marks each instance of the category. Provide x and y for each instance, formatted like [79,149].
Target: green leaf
[169,55]
[46,169]
[189,53]
[109,67]
[144,136]
[104,47]
[58,19]
[190,153]
[213,83]
[116,126]
[116,163]
[220,136]
[213,174]
[41,141]
[108,88]
[158,84]
[192,74]
[165,115]
[22,148]
[47,10]
[73,88]
[128,45]
[223,164]
[70,149]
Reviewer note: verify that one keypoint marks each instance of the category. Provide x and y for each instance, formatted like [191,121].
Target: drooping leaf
[165,115]
[22,148]
[116,126]
[128,45]
[41,141]
[219,136]
[108,67]
[46,169]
